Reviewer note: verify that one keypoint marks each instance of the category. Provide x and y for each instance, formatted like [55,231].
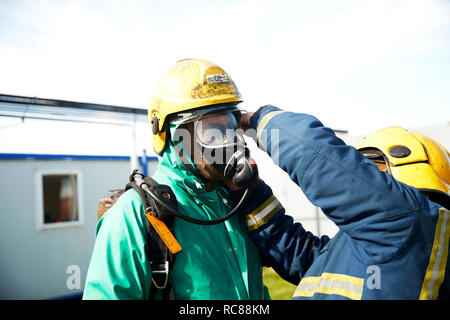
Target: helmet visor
[377,157]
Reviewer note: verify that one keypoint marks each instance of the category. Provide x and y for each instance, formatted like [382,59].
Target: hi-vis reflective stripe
[331,283]
[438,260]
[262,124]
[263,213]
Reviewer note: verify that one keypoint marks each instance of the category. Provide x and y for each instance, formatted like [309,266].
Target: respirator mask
[218,141]
[223,146]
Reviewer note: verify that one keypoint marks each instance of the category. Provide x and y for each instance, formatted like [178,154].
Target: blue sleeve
[369,205]
[283,245]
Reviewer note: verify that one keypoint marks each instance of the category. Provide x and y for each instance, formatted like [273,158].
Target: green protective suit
[217,261]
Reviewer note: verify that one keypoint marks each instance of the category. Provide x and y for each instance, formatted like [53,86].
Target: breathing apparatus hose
[141,183]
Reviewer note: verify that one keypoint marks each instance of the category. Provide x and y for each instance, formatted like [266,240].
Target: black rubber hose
[150,192]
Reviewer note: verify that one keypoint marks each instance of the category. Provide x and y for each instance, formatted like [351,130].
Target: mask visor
[216,131]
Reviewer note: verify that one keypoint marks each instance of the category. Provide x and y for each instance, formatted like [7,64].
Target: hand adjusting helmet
[201,94]
[411,158]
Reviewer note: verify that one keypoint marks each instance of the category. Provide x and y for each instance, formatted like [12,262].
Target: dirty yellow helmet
[189,84]
[411,158]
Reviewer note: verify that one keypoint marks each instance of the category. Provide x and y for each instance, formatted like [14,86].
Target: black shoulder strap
[161,259]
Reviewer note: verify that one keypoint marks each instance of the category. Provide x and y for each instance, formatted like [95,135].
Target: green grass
[279,289]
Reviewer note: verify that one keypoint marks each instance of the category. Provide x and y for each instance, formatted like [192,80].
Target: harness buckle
[161,274]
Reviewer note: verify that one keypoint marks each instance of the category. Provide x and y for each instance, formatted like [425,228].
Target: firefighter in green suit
[217,261]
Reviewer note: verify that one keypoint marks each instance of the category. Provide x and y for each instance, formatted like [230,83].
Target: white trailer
[57,158]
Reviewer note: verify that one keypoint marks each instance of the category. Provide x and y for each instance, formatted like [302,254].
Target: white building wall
[33,263]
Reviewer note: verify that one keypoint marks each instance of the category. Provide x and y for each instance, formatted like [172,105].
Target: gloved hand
[259,193]
[247,118]
[245,122]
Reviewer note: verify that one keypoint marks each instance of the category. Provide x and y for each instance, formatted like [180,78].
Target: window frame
[39,200]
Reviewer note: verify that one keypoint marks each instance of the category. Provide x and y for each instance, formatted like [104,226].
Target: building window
[58,199]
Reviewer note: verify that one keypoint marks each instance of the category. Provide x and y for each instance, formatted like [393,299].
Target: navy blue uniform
[392,241]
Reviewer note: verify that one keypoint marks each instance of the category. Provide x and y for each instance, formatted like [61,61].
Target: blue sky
[356,65]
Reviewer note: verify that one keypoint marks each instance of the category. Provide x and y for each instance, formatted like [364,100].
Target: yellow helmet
[189,84]
[411,158]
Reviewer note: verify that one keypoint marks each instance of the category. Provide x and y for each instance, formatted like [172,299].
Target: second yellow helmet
[411,157]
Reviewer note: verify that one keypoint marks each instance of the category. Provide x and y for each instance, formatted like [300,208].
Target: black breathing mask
[223,146]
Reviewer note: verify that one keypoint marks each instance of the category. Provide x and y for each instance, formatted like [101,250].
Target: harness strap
[161,259]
